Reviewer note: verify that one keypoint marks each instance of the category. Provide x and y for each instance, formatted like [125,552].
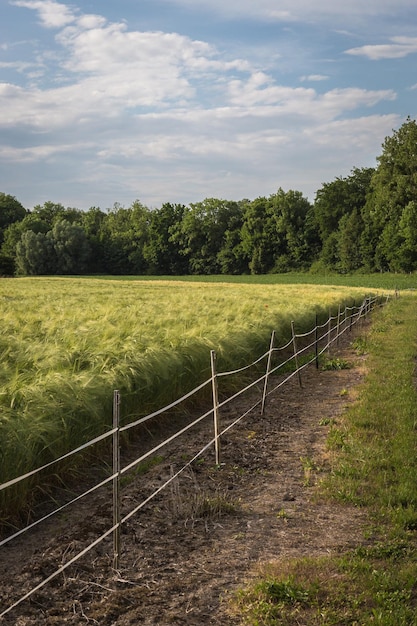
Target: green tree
[201,233]
[11,211]
[161,251]
[49,212]
[35,254]
[13,234]
[258,235]
[92,222]
[341,197]
[71,248]
[231,257]
[407,256]
[62,250]
[277,234]
[393,187]
[293,237]
[348,240]
[329,255]
[124,236]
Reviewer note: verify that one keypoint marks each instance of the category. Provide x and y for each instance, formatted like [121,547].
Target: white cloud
[38,153]
[110,71]
[357,134]
[52,14]
[314,78]
[398,49]
[259,89]
[19,66]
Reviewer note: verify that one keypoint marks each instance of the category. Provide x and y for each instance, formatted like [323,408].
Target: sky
[112,101]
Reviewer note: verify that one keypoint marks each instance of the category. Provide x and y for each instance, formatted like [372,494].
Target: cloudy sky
[105,101]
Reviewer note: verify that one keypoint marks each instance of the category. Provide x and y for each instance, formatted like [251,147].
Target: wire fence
[280,365]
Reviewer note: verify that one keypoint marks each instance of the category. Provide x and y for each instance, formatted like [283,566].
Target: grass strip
[375,466]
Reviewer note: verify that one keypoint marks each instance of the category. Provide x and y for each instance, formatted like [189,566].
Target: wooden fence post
[329,331]
[338,325]
[296,354]
[316,342]
[116,479]
[268,369]
[351,315]
[215,405]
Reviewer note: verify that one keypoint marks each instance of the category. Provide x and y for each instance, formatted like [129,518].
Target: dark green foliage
[161,252]
[390,211]
[338,214]
[10,211]
[62,250]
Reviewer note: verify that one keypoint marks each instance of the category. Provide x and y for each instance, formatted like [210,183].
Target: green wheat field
[67,343]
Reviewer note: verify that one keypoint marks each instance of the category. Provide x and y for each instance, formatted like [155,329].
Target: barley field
[67,343]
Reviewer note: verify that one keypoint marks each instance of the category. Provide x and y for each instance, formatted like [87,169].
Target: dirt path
[203,537]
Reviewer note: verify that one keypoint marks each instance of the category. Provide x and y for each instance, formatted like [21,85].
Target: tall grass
[65,344]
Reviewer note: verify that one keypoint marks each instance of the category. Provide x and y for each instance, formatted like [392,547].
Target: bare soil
[201,538]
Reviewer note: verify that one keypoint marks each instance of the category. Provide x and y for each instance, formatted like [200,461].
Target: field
[67,343]
[386,281]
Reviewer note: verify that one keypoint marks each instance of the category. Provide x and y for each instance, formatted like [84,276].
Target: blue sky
[105,101]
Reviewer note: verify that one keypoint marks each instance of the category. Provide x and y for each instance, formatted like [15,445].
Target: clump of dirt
[202,536]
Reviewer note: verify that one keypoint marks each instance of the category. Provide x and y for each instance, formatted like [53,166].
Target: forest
[364,222]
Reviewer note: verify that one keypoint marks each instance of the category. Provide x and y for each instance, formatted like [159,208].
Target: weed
[337,439]
[360,345]
[270,600]
[327,421]
[212,507]
[335,364]
[141,469]
[309,467]
[285,592]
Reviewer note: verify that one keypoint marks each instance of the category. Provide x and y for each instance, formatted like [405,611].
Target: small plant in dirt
[337,439]
[212,507]
[190,501]
[360,345]
[309,466]
[335,364]
[327,421]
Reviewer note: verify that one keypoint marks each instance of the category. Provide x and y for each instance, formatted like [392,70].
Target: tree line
[366,221]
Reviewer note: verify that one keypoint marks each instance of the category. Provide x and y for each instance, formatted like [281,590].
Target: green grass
[374,467]
[382,428]
[389,281]
[67,343]
[375,586]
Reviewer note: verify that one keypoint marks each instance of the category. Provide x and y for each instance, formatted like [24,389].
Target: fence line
[321,343]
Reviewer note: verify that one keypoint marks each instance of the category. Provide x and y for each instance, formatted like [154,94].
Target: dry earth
[206,534]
